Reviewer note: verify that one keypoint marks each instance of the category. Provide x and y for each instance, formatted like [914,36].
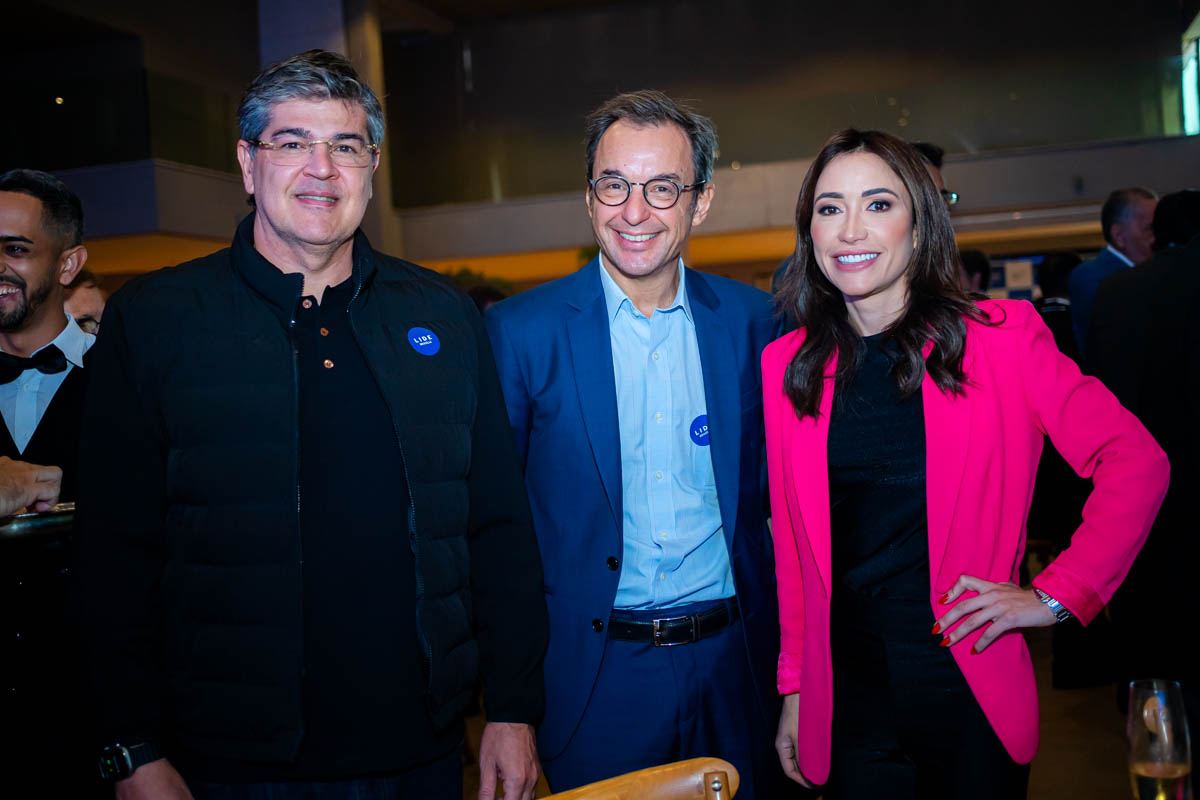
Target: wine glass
[1160,755]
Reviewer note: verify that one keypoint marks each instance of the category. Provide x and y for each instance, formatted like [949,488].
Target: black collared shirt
[364,708]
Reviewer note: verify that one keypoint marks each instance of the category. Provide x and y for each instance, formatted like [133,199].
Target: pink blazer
[982,453]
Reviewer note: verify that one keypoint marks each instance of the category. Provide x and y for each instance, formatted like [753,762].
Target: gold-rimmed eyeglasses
[293,151]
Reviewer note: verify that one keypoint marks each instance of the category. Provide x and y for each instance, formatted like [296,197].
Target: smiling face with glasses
[641,233]
[310,173]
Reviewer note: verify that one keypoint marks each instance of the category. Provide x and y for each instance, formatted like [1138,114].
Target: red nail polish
[944,597]
[937,627]
[974,652]
[945,641]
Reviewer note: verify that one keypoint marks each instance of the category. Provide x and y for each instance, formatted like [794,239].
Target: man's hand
[785,739]
[157,780]
[25,485]
[508,753]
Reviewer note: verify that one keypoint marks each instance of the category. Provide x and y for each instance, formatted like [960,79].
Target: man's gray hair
[311,75]
[652,107]
[1119,206]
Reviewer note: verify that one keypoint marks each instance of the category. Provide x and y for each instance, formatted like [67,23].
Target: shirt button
[662,577]
[613,563]
[658,475]
[597,625]
[658,416]
[655,356]
[307,303]
[328,364]
[662,534]
[324,331]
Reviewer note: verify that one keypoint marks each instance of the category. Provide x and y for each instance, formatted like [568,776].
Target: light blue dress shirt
[25,400]
[674,548]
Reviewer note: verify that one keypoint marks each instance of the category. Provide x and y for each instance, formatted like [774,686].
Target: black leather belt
[671,631]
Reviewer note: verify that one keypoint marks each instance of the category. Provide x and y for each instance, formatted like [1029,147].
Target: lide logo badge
[699,430]
[424,341]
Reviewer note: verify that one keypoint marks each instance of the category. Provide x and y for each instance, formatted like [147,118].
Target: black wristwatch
[118,761]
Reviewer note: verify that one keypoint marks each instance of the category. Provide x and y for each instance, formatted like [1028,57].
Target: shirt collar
[1124,258]
[71,340]
[616,299]
[74,342]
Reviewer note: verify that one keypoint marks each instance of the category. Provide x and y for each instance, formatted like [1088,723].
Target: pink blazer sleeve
[1100,439]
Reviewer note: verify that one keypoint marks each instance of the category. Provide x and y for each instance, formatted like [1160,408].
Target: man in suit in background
[634,392]
[1126,220]
[1124,305]
[41,348]
[1144,344]
[84,301]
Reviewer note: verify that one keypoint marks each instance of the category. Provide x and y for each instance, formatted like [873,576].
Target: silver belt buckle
[658,642]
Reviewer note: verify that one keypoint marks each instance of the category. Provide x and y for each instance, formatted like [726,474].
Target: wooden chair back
[694,779]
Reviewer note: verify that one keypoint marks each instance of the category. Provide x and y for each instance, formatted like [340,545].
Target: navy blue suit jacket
[1083,285]
[554,356]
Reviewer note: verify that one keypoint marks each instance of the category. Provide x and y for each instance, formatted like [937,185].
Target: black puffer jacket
[190,559]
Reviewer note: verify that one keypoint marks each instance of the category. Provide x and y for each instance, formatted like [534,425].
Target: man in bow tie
[41,348]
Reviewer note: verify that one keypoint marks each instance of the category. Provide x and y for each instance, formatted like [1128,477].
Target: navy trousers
[654,705]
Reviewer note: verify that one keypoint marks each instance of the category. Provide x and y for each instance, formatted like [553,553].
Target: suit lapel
[810,478]
[806,476]
[591,356]
[722,399]
[947,442]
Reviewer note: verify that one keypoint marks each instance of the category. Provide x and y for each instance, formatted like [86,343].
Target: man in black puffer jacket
[302,522]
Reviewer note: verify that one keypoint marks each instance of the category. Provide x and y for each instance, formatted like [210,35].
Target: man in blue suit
[1126,219]
[634,392]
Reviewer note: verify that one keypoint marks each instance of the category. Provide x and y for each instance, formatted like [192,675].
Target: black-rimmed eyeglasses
[660,193]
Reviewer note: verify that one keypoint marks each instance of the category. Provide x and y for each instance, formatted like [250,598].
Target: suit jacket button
[613,563]
[597,625]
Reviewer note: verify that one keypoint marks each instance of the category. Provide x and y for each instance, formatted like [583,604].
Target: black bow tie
[48,360]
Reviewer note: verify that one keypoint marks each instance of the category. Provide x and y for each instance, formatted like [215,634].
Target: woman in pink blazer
[904,424]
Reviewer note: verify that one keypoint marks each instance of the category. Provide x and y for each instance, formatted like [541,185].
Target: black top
[362,659]
[363,673]
[880,544]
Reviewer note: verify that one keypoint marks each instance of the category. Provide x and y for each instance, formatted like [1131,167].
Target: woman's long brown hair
[936,308]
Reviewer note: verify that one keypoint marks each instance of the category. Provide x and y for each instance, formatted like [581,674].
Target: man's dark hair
[62,213]
[84,277]
[311,75]
[1119,205]
[1054,272]
[930,152]
[1176,219]
[652,107]
[976,262]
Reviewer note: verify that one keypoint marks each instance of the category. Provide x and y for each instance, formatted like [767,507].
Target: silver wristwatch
[1061,614]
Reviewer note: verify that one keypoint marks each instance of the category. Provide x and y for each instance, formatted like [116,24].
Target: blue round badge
[424,341]
[699,430]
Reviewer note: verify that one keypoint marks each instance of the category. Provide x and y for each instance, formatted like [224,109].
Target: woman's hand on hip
[1005,605]
[785,738]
